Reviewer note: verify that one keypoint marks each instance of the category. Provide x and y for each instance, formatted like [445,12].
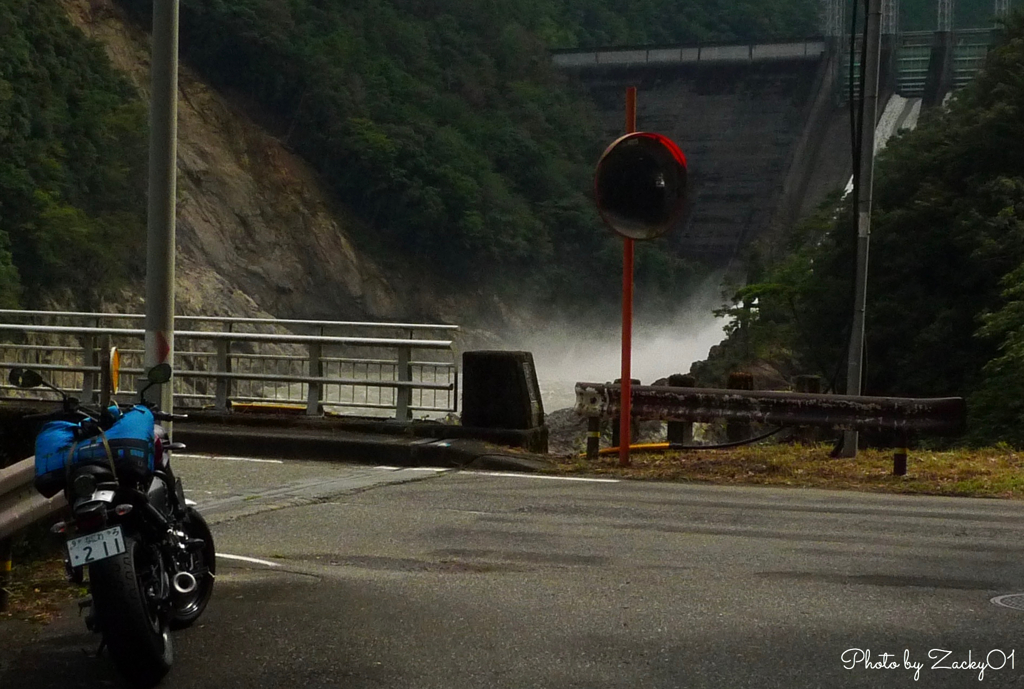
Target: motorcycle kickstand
[99,651]
[90,619]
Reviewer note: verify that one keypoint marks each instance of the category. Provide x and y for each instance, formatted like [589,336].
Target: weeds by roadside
[39,589]
[990,473]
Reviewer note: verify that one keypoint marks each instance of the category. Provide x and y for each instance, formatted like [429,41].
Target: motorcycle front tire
[135,631]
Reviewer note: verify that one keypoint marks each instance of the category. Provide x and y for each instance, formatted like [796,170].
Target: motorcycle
[149,553]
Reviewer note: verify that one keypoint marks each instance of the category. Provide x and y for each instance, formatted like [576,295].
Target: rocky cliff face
[256,234]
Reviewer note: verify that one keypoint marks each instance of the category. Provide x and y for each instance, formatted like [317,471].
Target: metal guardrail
[221,361]
[944,416]
[20,504]
[97,318]
[20,507]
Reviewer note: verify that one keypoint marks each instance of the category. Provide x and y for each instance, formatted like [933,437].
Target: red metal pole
[627,314]
[631,110]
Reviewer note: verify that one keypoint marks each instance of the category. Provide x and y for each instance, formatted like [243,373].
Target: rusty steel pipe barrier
[940,416]
[20,507]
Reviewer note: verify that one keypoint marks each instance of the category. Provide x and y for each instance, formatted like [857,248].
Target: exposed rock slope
[255,232]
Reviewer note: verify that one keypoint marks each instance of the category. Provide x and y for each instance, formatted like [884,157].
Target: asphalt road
[376,577]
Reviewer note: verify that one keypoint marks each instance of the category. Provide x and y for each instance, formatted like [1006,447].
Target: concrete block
[500,391]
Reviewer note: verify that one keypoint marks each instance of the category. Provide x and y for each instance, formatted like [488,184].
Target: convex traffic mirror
[640,185]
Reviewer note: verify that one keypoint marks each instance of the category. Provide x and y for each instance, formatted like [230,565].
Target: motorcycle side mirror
[24,378]
[159,374]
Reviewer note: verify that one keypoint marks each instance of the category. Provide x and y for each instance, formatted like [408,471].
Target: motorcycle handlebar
[47,416]
[66,413]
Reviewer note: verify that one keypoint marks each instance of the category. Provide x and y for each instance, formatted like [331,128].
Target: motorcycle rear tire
[135,631]
[188,608]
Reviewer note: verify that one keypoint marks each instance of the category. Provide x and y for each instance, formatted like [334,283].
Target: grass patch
[39,590]
[985,473]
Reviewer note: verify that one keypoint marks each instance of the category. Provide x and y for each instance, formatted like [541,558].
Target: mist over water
[567,353]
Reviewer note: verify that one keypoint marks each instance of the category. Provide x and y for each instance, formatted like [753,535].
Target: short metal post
[314,390]
[680,432]
[808,385]
[593,436]
[899,458]
[223,366]
[634,432]
[5,573]
[738,431]
[455,388]
[88,377]
[403,395]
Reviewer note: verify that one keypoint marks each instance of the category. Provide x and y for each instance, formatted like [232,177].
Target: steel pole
[626,381]
[160,248]
[872,58]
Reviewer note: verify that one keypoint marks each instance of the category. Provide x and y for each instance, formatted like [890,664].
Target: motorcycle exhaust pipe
[184,583]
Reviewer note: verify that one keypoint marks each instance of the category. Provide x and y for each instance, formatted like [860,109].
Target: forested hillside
[72,160]
[946,306]
[442,124]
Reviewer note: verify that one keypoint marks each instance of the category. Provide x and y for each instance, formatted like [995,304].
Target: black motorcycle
[150,555]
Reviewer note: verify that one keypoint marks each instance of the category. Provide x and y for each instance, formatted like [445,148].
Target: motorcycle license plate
[96,546]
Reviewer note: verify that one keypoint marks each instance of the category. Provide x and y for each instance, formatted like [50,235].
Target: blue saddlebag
[131,441]
[52,446]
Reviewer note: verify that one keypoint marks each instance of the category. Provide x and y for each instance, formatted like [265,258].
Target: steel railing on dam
[913,54]
[372,368]
[682,55]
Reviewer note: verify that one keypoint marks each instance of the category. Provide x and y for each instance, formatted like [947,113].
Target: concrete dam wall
[765,127]
[763,135]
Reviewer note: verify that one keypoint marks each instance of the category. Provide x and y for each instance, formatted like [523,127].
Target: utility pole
[834,18]
[872,59]
[945,16]
[163,155]
[890,17]
[1002,8]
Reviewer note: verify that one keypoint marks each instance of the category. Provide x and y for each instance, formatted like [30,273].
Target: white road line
[546,478]
[229,459]
[243,558]
[436,470]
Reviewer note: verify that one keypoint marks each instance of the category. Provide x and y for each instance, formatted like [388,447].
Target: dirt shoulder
[979,473]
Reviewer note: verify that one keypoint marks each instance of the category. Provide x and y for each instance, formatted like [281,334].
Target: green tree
[71,160]
[946,255]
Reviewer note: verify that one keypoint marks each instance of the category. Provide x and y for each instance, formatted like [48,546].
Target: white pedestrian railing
[371,368]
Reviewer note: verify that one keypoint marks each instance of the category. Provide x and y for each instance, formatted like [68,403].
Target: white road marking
[1014,601]
[436,470]
[546,478]
[243,558]
[230,459]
